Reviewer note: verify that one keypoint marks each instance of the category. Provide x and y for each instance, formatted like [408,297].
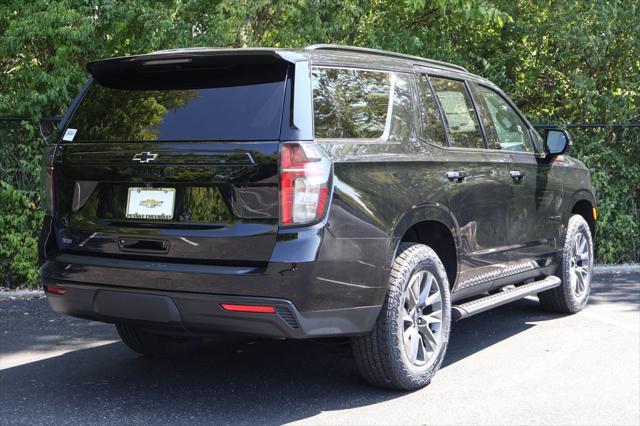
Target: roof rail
[383,53]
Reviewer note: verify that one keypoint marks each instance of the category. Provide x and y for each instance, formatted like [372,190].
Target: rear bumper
[327,292]
[202,314]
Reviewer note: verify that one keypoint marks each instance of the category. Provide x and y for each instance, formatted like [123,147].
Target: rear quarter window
[361,104]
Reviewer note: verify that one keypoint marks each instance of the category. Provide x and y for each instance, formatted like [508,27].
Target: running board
[468,309]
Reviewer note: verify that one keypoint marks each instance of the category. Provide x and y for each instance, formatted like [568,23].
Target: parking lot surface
[513,365]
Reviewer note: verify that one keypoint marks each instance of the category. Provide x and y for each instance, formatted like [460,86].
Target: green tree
[562,61]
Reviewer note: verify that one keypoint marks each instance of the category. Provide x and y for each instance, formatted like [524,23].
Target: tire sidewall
[576,225]
[156,345]
[421,258]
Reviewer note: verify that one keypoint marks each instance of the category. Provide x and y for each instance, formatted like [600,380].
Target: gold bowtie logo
[150,203]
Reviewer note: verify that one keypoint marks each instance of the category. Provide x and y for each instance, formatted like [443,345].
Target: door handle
[516,175]
[457,175]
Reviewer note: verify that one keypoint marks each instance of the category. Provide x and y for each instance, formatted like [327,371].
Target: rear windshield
[231,104]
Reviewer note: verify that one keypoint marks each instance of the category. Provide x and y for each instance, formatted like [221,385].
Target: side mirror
[556,142]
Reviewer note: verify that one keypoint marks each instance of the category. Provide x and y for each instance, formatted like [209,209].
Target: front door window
[503,126]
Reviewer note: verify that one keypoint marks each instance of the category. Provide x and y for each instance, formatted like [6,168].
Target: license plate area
[150,203]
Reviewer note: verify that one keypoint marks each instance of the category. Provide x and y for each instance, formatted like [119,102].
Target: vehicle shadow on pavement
[228,381]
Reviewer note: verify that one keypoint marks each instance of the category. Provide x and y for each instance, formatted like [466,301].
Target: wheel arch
[432,225]
[583,203]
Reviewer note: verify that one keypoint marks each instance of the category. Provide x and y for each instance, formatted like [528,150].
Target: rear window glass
[228,105]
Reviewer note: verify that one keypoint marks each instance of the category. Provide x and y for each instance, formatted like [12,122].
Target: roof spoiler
[176,59]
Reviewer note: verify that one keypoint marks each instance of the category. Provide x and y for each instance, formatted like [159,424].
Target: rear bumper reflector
[249,308]
[48,288]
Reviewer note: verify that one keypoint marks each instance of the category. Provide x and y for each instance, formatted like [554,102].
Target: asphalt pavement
[512,365]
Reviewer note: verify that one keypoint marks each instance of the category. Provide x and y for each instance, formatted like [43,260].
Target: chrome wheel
[580,265]
[422,318]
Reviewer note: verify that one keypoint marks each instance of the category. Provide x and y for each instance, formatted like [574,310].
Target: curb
[21,294]
[633,268]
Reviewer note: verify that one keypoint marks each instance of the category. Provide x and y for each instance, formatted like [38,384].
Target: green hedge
[563,61]
[20,216]
[612,158]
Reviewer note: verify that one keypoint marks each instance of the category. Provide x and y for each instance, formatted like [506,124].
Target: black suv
[306,193]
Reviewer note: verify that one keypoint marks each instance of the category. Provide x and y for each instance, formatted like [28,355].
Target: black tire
[380,355]
[156,345]
[565,299]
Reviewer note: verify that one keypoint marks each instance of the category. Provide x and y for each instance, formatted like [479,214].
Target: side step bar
[468,309]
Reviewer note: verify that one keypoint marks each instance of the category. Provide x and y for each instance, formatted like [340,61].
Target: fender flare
[580,195]
[575,198]
[436,212]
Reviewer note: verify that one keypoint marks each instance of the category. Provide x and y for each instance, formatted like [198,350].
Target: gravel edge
[22,294]
[632,268]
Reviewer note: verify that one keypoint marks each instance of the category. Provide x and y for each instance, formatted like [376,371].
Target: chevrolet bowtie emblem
[150,203]
[145,157]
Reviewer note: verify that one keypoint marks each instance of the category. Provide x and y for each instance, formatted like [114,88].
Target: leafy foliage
[20,221]
[613,158]
[561,60]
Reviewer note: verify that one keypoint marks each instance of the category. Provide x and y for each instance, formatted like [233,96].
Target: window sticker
[69,135]
[458,115]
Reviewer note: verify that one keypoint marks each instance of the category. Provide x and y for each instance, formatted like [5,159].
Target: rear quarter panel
[380,190]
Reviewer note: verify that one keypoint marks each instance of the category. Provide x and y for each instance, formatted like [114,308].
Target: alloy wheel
[422,318]
[580,265]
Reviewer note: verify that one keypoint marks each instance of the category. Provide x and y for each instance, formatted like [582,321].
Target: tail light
[48,180]
[304,183]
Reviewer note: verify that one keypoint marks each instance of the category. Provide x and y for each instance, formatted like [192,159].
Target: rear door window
[459,114]
[226,105]
[361,104]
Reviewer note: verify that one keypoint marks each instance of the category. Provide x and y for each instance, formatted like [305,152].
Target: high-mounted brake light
[304,183]
[167,61]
